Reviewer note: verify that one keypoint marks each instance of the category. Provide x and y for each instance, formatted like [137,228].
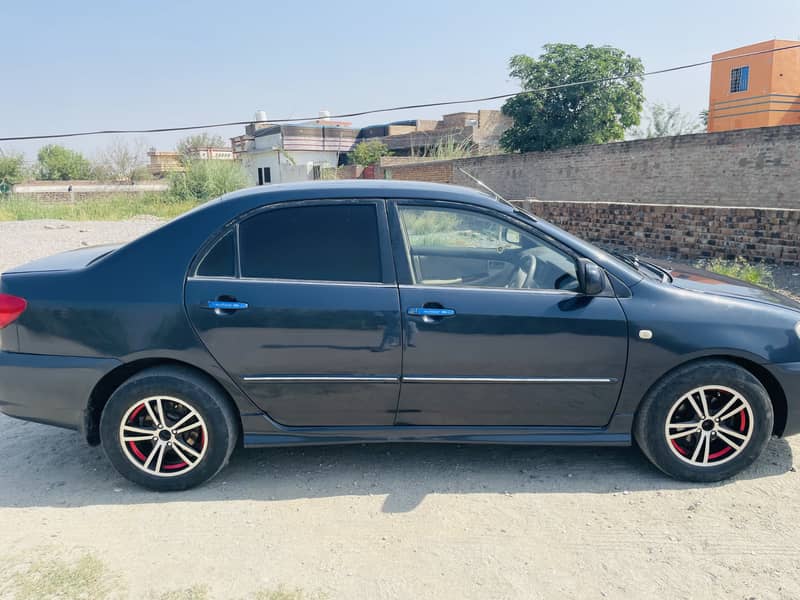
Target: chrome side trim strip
[423,379]
[419,286]
[509,380]
[322,379]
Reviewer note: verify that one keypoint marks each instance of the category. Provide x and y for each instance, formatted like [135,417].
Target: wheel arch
[112,380]
[774,389]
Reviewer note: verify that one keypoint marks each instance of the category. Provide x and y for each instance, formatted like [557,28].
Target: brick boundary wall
[435,171]
[727,194]
[680,231]
[749,167]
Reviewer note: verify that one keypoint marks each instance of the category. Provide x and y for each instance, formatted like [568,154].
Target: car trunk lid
[66,261]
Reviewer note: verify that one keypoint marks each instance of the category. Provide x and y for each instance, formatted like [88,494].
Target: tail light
[11,307]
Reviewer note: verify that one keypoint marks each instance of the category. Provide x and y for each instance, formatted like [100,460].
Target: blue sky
[99,64]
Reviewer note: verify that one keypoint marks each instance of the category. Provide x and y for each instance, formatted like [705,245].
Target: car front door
[299,304]
[496,332]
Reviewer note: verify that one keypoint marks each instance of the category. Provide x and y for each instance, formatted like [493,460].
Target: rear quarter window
[220,261]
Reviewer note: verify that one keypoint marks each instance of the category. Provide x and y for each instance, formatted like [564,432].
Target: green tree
[663,120]
[200,140]
[12,168]
[59,163]
[369,152]
[704,117]
[588,113]
[206,179]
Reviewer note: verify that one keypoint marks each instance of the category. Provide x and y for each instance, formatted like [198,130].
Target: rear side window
[221,259]
[323,243]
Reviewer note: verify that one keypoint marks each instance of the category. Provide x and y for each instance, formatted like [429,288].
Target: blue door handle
[422,311]
[226,305]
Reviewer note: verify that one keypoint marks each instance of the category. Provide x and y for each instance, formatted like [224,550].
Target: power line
[406,107]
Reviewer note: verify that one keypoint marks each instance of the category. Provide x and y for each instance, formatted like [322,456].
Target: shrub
[207,179]
[449,148]
[740,268]
[12,168]
[369,153]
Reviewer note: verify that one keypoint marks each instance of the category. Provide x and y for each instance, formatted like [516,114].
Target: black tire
[220,426]
[651,420]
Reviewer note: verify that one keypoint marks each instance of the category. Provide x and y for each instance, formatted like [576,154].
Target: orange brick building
[761,90]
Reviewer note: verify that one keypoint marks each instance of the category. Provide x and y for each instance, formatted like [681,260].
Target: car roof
[358,188]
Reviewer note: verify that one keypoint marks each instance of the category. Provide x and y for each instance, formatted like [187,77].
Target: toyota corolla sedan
[352,312]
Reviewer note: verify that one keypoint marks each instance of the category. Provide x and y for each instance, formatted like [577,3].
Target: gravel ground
[788,280]
[384,521]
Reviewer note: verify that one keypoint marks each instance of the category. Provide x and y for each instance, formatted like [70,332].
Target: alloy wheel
[709,426]
[163,436]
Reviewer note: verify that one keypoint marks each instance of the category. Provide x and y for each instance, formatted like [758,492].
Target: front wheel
[705,421]
[168,429]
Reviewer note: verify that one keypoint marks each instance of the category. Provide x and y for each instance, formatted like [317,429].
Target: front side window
[740,77]
[317,243]
[454,247]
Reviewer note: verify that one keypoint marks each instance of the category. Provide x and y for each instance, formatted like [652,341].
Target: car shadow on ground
[44,466]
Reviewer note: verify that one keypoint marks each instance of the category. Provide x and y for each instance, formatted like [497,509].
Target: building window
[316,172]
[740,79]
[264,175]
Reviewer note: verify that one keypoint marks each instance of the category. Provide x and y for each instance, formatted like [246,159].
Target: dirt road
[383,521]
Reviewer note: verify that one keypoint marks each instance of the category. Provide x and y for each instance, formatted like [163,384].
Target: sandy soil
[411,521]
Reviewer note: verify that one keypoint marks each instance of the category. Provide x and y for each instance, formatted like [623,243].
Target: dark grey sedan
[350,312]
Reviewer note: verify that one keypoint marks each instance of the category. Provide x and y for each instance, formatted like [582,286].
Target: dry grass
[195,592]
[45,574]
[45,577]
[104,208]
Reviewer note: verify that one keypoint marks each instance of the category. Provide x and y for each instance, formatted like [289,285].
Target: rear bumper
[788,375]
[49,389]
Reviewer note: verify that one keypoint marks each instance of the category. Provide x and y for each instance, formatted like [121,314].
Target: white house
[285,153]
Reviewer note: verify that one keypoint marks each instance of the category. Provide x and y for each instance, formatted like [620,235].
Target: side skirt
[303,436]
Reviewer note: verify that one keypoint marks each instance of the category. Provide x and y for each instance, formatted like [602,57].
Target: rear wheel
[704,422]
[168,429]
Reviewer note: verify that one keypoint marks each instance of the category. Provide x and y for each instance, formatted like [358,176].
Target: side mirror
[590,278]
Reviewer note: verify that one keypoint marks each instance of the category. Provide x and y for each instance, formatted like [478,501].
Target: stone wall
[681,231]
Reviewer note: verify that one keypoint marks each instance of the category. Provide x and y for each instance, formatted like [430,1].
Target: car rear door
[484,344]
[299,304]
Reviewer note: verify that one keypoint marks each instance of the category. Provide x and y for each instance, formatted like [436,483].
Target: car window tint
[327,243]
[221,259]
[445,228]
[464,248]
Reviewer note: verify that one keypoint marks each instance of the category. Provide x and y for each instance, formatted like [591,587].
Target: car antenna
[486,187]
